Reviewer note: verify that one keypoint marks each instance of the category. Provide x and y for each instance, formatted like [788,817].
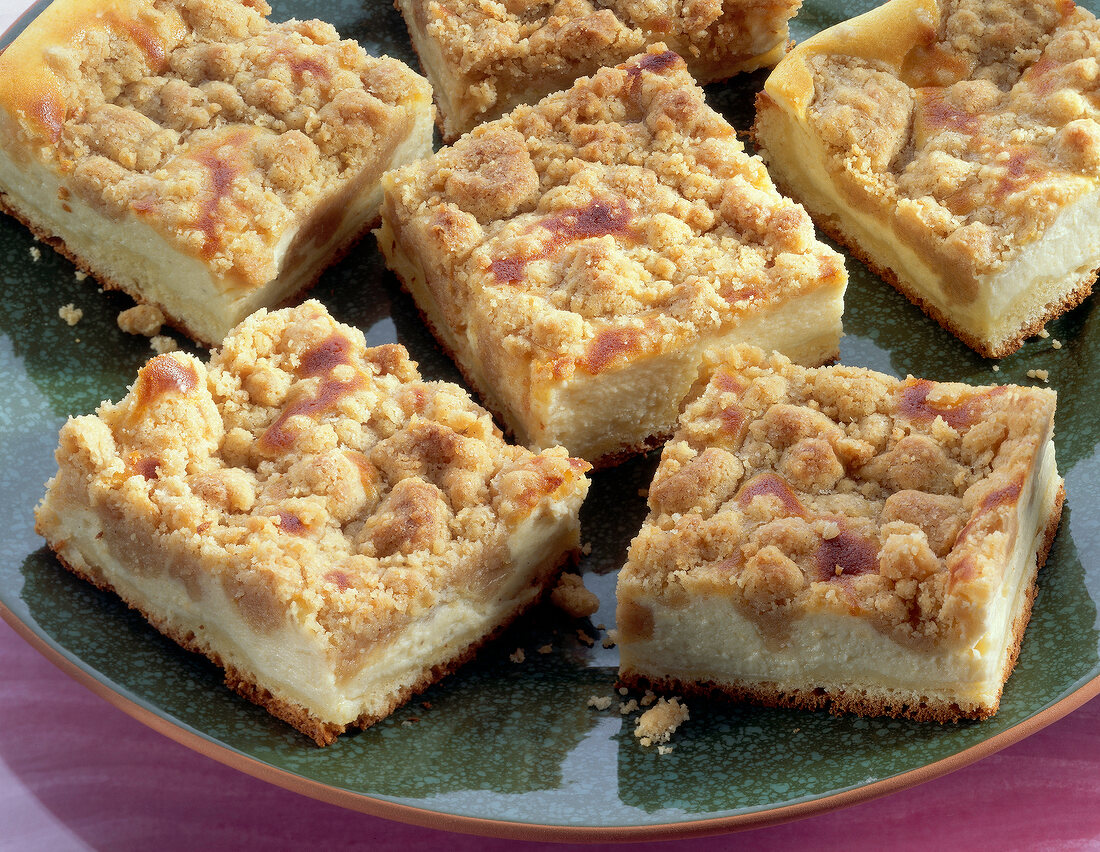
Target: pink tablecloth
[76,773]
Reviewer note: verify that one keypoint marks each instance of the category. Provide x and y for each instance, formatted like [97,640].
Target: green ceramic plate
[513,749]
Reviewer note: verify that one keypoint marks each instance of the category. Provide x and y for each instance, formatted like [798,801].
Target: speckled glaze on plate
[513,749]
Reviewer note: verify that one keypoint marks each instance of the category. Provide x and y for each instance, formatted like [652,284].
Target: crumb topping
[619,218]
[503,48]
[319,479]
[145,320]
[987,130]
[571,596]
[794,490]
[203,119]
[657,724]
[70,313]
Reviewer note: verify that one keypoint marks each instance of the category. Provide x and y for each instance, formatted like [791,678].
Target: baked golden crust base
[578,257]
[304,510]
[485,58]
[961,170]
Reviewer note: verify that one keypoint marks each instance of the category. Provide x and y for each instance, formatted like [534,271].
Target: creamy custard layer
[294,661]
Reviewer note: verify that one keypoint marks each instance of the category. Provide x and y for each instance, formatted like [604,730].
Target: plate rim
[163,723]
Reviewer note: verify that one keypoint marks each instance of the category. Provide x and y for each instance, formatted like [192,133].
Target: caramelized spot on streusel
[162,375]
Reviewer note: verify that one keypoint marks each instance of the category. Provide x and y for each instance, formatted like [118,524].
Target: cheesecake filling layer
[293,660]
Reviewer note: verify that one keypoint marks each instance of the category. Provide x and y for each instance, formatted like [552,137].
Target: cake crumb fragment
[517,656]
[80,275]
[571,596]
[1041,375]
[36,254]
[162,344]
[626,707]
[70,313]
[546,649]
[145,320]
[600,702]
[657,724]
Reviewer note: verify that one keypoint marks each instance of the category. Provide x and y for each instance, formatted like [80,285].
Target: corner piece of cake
[197,156]
[333,531]
[485,57]
[954,146]
[578,257]
[838,538]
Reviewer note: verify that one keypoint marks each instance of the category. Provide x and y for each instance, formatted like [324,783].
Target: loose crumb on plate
[518,656]
[70,313]
[658,723]
[626,707]
[36,254]
[141,319]
[80,275]
[571,596]
[162,344]
[546,649]
[1041,375]
[600,702]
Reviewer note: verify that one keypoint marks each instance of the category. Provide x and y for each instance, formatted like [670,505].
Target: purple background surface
[77,773]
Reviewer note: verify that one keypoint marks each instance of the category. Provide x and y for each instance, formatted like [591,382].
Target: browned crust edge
[833,226]
[840,702]
[59,245]
[321,732]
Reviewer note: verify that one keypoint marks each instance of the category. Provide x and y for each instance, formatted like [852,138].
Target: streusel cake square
[578,257]
[953,145]
[194,154]
[838,538]
[333,531]
[485,57]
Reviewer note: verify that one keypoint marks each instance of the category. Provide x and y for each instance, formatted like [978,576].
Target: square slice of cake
[838,538]
[578,257]
[485,57]
[333,531]
[954,146]
[196,156]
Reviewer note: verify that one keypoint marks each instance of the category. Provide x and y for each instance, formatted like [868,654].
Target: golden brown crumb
[80,275]
[585,638]
[545,649]
[600,702]
[571,596]
[586,549]
[141,319]
[648,698]
[658,723]
[518,656]
[70,313]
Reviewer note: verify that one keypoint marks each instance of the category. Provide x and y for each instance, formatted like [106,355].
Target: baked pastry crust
[196,155]
[485,58]
[840,538]
[578,257]
[954,146]
[333,531]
